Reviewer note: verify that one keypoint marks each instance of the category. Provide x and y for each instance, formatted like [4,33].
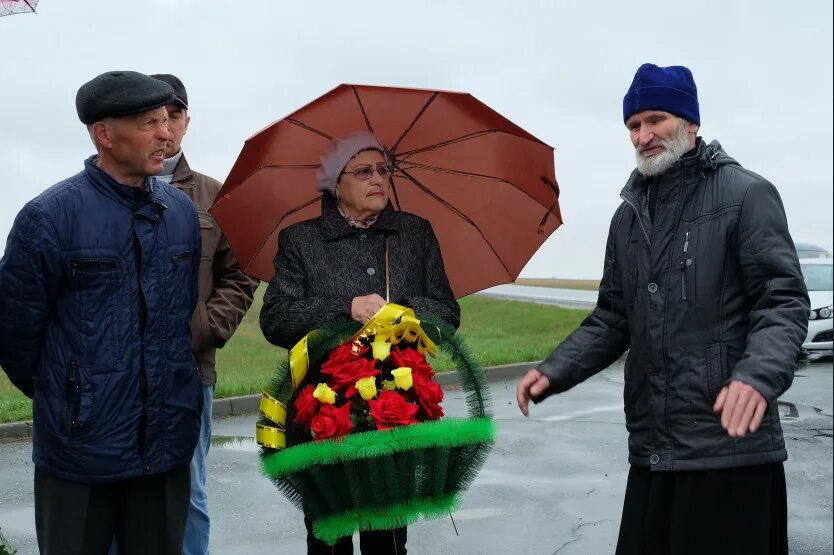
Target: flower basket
[356,439]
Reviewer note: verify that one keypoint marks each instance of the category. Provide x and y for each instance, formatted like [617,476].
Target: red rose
[331,422]
[344,353]
[411,358]
[429,396]
[390,410]
[343,375]
[306,406]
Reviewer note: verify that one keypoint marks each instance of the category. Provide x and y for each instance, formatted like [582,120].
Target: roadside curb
[249,404]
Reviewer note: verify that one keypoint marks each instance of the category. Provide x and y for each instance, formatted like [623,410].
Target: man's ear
[103,134]
[187,121]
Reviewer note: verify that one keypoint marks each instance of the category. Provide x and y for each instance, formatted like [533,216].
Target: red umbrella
[486,185]
[9,7]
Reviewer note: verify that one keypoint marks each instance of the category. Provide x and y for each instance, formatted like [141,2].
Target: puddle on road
[235,443]
[787,410]
[790,411]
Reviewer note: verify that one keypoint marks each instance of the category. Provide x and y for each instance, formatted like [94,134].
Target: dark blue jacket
[97,287]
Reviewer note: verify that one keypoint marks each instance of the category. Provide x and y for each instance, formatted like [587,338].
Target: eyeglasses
[366,172]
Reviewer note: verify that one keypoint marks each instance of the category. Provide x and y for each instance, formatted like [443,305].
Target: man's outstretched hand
[533,384]
[741,408]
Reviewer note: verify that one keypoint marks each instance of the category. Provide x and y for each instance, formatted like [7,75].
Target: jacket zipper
[685,263]
[72,394]
[102,265]
[143,375]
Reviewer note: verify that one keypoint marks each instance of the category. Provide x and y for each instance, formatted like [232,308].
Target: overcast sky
[557,68]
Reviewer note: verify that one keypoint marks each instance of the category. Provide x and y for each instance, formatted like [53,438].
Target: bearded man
[702,285]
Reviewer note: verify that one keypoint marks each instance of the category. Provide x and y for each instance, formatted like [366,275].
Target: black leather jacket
[709,292]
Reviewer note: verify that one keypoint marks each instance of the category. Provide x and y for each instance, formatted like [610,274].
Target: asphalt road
[567,298]
[553,483]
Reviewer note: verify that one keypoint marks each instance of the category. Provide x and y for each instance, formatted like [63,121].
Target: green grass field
[497,332]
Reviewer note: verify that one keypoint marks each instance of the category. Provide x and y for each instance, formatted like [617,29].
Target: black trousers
[378,542]
[145,515]
[729,511]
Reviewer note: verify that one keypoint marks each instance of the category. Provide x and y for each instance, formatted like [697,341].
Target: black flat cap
[120,93]
[176,84]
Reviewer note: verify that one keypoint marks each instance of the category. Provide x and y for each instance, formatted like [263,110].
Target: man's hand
[363,308]
[741,408]
[533,384]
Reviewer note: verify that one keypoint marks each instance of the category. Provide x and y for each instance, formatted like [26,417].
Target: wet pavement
[553,484]
[567,298]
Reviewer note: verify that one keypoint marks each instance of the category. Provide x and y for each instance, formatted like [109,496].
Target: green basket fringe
[447,432]
[330,529]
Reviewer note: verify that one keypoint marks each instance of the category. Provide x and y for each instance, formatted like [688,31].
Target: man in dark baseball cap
[97,287]
[180,94]
[223,300]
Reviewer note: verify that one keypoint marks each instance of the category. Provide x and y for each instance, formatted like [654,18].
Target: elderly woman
[347,262]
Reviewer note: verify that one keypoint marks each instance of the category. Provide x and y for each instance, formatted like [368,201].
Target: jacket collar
[134,198]
[332,225]
[183,175]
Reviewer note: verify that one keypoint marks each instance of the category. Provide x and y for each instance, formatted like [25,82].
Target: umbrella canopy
[486,185]
[9,7]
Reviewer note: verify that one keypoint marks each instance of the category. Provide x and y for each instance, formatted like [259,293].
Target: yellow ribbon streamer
[395,323]
[273,409]
[270,436]
[299,361]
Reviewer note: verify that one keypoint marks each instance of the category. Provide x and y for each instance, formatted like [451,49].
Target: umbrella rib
[308,128]
[361,107]
[477,175]
[414,121]
[473,135]
[268,235]
[396,196]
[463,216]
[278,166]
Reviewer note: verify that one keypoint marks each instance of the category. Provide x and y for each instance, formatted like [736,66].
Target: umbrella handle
[555,187]
[387,274]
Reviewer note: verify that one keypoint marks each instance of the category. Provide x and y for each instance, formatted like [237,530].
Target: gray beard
[674,148]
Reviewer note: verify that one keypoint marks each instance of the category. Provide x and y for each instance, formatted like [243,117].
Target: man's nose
[646,136]
[163,133]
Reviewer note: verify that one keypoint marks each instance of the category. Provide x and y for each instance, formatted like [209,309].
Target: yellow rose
[402,377]
[380,348]
[324,394]
[366,387]
[388,385]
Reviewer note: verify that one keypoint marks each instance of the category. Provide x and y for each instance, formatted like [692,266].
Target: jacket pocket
[93,266]
[72,393]
[716,368]
[687,270]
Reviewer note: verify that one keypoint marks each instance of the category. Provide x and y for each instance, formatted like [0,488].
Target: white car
[819,279]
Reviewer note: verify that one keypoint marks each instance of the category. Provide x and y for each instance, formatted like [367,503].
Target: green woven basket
[379,480]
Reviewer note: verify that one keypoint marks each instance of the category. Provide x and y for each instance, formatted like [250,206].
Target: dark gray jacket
[323,263]
[711,292]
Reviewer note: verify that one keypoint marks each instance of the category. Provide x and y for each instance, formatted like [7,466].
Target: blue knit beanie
[670,89]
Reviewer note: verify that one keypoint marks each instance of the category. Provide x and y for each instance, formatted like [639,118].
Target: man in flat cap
[225,295]
[702,283]
[97,287]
